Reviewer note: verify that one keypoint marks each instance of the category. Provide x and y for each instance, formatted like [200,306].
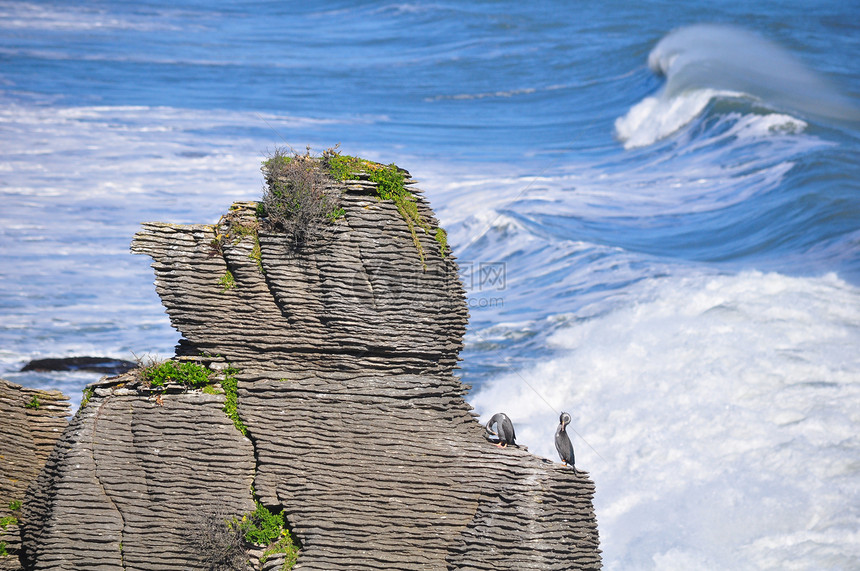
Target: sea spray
[721,408]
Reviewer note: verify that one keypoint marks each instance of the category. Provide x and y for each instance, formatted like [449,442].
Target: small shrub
[261,526]
[219,545]
[296,200]
[15,505]
[7,521]
[389,182]
[34,403]
[3,552]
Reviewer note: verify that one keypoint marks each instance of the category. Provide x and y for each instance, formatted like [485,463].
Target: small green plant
[185,373]
[227,281]
[7,521]
[211,390]
[15,505]
[3,552]
[336,214]
[34,403]
[389,182]
[261,210]
[88,394]
[230,384]
[262,527]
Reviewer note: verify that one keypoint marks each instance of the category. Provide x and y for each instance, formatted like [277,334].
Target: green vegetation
[227,281]
[335,214]
[34,403]
[390,185]
[186,373]
[262,527]
[15,505]
[88,394]
[231,401]
[3,552]
[442,238]
[195,376]
[298,198]
[7,521]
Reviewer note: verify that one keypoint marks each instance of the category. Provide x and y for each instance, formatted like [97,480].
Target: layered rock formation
[31,421]
[356,426]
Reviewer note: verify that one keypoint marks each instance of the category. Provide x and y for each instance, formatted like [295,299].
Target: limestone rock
[32,421]
[357,427]
[130,478]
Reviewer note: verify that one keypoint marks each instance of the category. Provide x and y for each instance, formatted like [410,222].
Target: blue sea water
[656,208]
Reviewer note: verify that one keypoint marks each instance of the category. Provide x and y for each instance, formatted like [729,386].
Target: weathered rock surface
[31,421]
[357,427]
[128,481]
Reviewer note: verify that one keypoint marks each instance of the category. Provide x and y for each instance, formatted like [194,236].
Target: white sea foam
[759,126]
[722,412]
[657,117]
[43,16]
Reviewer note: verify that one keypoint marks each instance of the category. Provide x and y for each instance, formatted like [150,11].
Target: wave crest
[704,62]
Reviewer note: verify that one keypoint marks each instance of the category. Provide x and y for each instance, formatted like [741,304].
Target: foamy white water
[717,414]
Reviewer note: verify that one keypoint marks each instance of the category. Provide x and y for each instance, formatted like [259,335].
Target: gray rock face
[31,421]
[357,427]
[130,479]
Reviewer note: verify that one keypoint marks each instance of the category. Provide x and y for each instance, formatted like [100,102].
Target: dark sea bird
[562,441]
[504,429]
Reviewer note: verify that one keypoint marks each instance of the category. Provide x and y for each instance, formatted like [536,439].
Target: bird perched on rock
[562,441]
[504,429]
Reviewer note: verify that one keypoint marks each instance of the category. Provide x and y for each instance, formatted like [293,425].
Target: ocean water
[655,205]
